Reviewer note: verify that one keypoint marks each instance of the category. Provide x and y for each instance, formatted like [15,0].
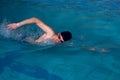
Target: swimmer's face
[59,39]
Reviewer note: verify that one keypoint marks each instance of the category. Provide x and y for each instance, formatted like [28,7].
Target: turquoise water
[93,23]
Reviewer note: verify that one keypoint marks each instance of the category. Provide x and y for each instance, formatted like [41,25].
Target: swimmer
[48,31]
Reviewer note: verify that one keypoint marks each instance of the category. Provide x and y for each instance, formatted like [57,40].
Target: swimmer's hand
[30,40]
[13,26]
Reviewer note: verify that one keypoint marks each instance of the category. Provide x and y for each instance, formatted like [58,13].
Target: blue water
[94,25]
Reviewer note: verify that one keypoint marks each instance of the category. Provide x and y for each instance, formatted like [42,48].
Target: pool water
[92,54]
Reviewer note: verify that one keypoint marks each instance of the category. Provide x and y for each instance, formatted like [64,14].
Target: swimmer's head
[64,36]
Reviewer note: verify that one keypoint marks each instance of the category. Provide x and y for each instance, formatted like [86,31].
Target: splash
[13,34]
[3,29]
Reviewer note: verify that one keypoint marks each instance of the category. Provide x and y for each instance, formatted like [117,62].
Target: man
[49,32]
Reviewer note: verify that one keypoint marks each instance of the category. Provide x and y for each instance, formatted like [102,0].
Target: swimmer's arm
[13,26]
[42,38]
[40,24]
[48,30]
[33,41]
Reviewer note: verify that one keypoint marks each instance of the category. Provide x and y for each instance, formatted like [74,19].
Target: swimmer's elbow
[34,19]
